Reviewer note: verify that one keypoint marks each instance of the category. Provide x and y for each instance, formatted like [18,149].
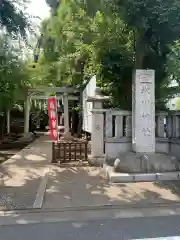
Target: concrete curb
[41,191]
[114,177]
[125,206]
[87,215]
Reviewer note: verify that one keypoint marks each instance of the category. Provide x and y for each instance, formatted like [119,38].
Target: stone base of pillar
[96,161]
[144,163]
[28,136]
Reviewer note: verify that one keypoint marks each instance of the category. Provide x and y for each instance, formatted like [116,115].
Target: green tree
[80,41]
[53,5]
[155,23]
[16,23]
[13,18]
[13,76]
[173,63]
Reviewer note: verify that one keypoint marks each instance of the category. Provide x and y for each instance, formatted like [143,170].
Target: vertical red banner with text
[52,113]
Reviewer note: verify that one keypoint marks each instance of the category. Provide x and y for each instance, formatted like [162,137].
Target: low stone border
[41,191]
[21,218]
[15,145]
[114,177]
[57,216]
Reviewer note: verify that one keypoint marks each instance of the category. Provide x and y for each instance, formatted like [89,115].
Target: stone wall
[114,131]
[166,131]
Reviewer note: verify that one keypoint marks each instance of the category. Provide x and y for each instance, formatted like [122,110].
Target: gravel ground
[22,197]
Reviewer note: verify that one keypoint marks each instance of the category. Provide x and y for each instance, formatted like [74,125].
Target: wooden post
[53,153]
[26,115]
[66,113]
[8,121]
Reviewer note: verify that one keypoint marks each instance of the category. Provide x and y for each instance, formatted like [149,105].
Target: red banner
[52,113]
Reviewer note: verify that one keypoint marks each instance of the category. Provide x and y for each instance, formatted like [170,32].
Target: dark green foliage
[110,39]
[12,17]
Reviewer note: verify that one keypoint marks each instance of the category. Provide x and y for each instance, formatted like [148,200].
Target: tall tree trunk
[139,56]
[2,126]
[139,48]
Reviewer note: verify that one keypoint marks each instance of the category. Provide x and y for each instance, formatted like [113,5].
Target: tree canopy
[13,74]
[111,38]
[13,18]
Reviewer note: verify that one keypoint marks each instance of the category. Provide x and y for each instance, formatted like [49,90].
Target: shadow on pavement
[20,176]
[83,186]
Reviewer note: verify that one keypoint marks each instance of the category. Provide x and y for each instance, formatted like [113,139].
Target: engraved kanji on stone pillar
[144,111]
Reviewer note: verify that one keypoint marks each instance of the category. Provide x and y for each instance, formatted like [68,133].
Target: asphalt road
[104,229]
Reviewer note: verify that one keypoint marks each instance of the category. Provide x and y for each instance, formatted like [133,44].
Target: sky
[38,8]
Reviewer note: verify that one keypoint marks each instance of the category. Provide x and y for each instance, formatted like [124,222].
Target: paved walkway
[78,187]
[29,181]
[22,175]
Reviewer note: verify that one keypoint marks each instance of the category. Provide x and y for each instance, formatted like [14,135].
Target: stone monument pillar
[143,112]
[97,136]
[144,159]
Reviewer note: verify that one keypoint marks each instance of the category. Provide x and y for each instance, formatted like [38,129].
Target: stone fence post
[97,135]
[175,124]
[160,130]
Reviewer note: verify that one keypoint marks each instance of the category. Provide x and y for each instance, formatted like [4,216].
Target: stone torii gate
[64,93]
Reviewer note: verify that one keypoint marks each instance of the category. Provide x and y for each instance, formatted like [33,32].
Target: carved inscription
[145,77]
[145,116]
[146,131]
[145,101]
[145,89]
[97,127]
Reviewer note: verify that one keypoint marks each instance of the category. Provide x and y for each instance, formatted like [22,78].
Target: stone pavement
[22,175]
[78,187]
[28,181]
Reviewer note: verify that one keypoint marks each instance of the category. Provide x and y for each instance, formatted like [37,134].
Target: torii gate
[64,93]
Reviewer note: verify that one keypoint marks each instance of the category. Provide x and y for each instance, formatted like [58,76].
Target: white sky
[39,8]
